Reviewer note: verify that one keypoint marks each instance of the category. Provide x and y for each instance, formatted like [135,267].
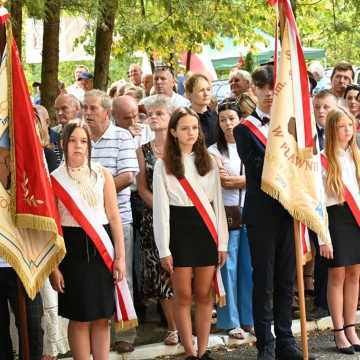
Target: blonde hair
[334,177]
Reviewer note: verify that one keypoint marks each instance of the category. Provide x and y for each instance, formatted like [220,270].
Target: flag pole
[297,237]
[300,285]
[23,324]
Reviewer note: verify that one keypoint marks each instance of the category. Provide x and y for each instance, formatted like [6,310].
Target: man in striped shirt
[114,148]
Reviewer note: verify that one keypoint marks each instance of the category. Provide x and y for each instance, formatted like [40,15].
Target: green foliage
[249,62]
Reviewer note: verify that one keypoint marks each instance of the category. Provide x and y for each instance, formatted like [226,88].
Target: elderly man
[148,81]
[114,148]
[342,76]
[67,107]
[164,83]
[135,74]
[126,115]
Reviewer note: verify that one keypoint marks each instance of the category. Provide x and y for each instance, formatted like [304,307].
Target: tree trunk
[103,42]
[16,20]
[50,55]
[294,7]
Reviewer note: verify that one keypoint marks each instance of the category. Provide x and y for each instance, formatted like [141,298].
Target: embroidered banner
[32,206]
[292,168]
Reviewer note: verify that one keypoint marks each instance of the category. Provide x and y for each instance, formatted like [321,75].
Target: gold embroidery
[30,199]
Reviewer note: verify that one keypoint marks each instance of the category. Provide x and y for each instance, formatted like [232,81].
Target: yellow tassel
[125,325]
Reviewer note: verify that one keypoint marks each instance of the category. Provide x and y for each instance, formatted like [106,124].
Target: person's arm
[112,212]
[233,182]
[123,180]
[161,216]
[141,182]
[222,227]
[249,152]
[126,162]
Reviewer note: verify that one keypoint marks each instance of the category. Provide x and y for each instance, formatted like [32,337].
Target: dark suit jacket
[259,208]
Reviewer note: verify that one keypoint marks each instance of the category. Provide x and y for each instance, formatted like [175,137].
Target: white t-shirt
[232,166]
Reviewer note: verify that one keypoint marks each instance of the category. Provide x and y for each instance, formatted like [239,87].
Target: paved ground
[320,343]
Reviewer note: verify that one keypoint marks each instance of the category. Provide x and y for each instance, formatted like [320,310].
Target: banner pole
[23,324]
[300,284]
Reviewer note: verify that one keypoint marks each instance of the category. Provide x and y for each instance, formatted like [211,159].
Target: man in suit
[270,231]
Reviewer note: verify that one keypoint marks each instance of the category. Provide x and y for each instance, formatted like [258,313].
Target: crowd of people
[174,180]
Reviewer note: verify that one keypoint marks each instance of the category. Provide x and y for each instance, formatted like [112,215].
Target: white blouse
[91,189]
[232,165]
[348,171]
[168,191]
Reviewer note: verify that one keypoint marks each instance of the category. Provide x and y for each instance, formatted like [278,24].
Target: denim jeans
[237,278]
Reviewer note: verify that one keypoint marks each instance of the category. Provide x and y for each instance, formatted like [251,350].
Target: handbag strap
[241,190]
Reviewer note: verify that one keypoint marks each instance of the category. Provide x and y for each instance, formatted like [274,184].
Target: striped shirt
[115,150]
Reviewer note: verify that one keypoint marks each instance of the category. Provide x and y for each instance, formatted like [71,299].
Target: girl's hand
[222,256]
[57,281]
[119,269]
[167,264]
[326,251]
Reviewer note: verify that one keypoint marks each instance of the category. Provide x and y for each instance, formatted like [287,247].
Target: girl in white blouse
[186,247]
[343,169]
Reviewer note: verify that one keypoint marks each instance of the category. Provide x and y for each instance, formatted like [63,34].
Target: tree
[103,42]
[50,55]
[16,9]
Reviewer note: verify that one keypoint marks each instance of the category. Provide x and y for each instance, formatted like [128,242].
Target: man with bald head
[126,115]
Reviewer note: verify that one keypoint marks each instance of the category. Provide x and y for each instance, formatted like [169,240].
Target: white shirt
[176,100]
[115,151]
[348,172]
[232,166]
[168,191]
[91,189]
[145,136]
[77,91]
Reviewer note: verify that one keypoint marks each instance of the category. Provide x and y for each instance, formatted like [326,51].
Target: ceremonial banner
[292,168]
[34,247]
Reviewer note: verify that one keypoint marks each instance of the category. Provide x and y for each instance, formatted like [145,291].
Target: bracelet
[117,258]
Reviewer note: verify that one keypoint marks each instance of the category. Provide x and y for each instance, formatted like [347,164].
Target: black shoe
[291,352]
[267,353]
[356,347]
[349,350]
[206,356]
[192,358]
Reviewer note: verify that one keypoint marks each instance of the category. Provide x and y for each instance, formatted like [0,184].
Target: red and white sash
[125,316]
[353,200]
[218,283]
[254,125]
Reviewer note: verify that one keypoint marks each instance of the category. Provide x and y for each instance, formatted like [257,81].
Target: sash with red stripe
[218,284]
[125,316]
[352,200]
[261,133]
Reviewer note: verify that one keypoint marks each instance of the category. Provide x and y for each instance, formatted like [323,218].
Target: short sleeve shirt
[116,151]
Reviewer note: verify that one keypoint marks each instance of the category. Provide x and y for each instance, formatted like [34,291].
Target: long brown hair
[69,128]
[173,160]
[334,177]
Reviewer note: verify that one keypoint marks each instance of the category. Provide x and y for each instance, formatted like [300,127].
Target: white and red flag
[292,167]
[30,231]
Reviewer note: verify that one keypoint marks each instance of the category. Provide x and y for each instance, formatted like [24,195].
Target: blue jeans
[237,278]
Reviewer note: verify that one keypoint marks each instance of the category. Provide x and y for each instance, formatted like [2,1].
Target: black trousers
[273,260]
[34,309]
[320,275]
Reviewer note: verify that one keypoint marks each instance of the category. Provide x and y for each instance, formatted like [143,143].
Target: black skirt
[345,236]
[89,287]
[191,243]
